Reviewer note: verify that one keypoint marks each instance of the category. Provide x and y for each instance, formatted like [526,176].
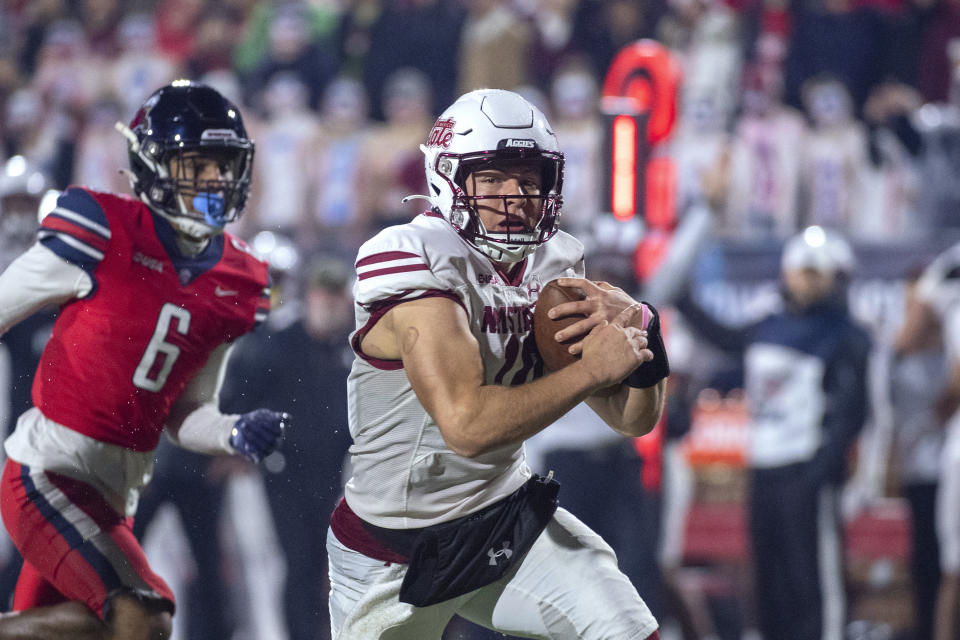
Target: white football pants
[568,587]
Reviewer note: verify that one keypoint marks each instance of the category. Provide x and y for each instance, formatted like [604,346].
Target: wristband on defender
[652,372]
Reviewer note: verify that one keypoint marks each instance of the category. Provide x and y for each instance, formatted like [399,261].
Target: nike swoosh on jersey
[225,292]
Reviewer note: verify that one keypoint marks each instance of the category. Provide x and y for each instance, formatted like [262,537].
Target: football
[555,355]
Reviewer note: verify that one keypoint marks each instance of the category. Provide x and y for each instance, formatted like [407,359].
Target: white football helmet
[818,248]
[484,127]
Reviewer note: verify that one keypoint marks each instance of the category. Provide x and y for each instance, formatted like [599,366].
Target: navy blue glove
[259,433]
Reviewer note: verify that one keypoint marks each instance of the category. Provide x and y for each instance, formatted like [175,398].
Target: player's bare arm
[631,411]
[442,360]
[920,324]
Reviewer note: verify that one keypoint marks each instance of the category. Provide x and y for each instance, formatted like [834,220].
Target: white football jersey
[939,287]
[404,475]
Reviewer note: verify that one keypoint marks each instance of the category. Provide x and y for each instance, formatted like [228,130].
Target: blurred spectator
[176,25]
[286,141]
[576,121]
[494,48]
[100,20]
[700,143]
[320,18]
[304,364]
[354,35]
[214,43]
[705,36]
[68,76]
[837,37]
[293,49]
[603,27]
[553,45]
[805,369]
[338,175]
[379,37]
[391,158]
[67,82]
[9,81]
[833,159]
[890,191]
[34,19]
[940,52]
[761,201]
[140,67]
[40,136]
[939,162]
[100,149]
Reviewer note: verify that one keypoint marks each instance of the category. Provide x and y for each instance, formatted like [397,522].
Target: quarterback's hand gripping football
[614,349]
[259,433]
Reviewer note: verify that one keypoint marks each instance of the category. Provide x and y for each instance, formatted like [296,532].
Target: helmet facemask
[198,208]
[510,245]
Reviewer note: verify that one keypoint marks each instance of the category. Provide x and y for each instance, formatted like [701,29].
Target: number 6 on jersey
[158,345]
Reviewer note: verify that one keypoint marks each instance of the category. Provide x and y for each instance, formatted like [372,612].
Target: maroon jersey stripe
[389,270]
[384,257]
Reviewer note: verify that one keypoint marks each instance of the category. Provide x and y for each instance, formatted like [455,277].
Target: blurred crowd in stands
[834,112]
[841,113]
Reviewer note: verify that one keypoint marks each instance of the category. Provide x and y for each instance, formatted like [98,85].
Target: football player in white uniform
[442,515]
[938,292]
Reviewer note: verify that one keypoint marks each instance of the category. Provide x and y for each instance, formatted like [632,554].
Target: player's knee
[133,619]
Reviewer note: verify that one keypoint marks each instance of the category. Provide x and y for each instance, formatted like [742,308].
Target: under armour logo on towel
[506,552]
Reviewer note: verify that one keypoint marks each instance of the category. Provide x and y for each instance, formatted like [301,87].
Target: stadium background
[844,113]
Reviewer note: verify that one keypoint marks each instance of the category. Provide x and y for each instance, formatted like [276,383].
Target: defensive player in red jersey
[152,294]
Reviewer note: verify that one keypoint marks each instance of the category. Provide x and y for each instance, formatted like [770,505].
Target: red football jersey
[119,357]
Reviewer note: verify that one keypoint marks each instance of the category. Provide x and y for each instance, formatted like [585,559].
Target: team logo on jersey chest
[507,319]
[534,286]
[487,278]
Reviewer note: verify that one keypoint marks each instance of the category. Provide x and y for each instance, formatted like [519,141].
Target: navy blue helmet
[178,122]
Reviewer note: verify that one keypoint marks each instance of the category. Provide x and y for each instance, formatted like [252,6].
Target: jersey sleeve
[395,267]
[264,306]
[77,229]
[246,260]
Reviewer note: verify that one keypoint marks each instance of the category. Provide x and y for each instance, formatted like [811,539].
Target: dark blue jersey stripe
[68,252]
[80,201]
[99,562]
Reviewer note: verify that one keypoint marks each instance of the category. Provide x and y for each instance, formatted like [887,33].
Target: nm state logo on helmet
[441,134]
